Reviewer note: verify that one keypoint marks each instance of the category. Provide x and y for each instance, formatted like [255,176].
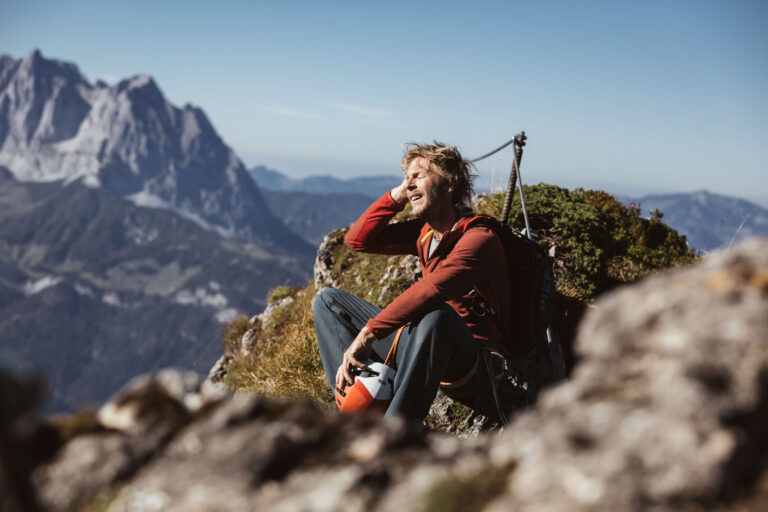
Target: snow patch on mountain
[226,315]
[131,141]
[211,297]
[112,299]
[148,200]
[201,297]
[33,287]
[84,290]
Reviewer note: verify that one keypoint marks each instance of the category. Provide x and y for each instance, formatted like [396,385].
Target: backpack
[531,285]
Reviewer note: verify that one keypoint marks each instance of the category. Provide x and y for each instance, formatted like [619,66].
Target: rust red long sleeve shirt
[464,259]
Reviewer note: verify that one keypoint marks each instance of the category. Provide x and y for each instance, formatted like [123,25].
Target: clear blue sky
[633,97]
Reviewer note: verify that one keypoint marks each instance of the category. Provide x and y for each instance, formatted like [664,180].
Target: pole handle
[519,141]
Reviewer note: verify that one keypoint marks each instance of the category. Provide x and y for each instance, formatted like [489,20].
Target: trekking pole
[519,141]
[555,355]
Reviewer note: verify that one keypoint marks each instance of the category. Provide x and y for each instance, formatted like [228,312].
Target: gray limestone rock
[251,451]
[219,369]
[137,424]
[399,269]
[667,410]
[249,338]
[323,269]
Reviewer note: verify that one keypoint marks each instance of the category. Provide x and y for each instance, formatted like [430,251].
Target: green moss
[454,420]
[281,292]
[458,413]
[466,493]
[361,274]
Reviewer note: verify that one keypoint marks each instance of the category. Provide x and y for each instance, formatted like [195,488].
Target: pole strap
[390,360]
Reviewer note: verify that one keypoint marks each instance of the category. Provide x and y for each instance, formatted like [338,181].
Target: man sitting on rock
[442,327]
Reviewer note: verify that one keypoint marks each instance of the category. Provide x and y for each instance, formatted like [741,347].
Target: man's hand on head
[359,351]
[400,192]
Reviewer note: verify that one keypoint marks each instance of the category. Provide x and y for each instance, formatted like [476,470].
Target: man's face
[428,193]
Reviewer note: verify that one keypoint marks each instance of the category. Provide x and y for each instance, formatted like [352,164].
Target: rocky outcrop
[667,410]
[132,428]
[323,270]
[669,406]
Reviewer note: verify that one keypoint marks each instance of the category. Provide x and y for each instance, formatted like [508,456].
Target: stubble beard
[429,202]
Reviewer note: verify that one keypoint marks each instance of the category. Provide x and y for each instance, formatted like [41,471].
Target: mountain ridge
[127,138]
[94,289]
[710,221]
[372,186]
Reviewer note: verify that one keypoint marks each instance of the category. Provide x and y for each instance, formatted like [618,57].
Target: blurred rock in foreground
[668,410]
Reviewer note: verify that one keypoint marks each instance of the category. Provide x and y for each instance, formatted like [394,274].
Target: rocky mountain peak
[141,88]
[130,140]
[36,67]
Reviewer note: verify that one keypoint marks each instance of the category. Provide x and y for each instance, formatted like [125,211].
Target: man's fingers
[347,376]
[357,364]
[339,377]
[348,363]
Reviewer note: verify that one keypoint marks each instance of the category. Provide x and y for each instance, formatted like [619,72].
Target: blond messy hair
[446,162]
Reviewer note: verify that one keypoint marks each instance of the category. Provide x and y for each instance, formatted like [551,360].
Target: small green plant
[601,242]
[281,292]
[102,502]
[455,419]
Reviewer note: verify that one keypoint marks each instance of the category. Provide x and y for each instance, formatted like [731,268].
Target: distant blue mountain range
[372,186]
[709,221]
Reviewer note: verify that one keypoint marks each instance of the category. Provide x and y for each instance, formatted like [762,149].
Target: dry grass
[285,360]
[233,332]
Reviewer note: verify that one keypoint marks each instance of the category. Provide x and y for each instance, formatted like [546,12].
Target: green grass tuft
[281,292]
[233,332]
[285,360]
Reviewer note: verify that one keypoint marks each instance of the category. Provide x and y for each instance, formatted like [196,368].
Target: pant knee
[440,316]
[429,325]
[323,298]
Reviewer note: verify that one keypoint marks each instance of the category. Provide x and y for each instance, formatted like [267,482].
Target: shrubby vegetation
[599,243]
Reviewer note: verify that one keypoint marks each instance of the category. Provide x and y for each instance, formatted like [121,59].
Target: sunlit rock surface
[667,410]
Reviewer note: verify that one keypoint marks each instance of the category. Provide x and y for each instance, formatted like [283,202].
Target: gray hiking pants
[438,347]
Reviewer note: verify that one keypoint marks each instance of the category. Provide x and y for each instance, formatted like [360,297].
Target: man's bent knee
[436,317]
[323,298]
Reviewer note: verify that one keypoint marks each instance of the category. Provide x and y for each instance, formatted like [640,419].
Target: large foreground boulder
[669,406]
[667,410]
